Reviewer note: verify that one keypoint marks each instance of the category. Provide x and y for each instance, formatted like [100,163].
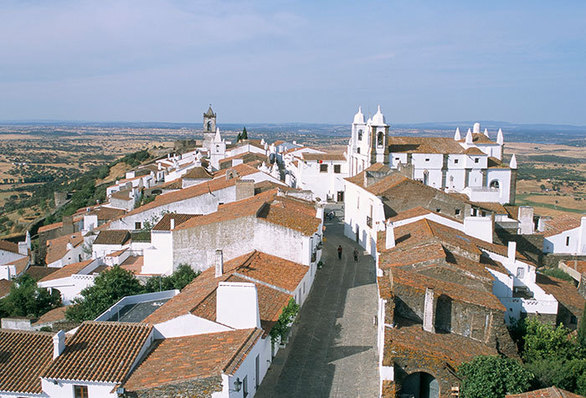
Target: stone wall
[203,388]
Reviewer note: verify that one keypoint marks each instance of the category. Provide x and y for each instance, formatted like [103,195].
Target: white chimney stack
[428,311]
[457,135]
[58,343]
[219,263]
[512,251]
[237,305]
[390,236]
[172,226]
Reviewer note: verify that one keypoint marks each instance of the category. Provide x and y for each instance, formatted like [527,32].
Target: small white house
[565,235]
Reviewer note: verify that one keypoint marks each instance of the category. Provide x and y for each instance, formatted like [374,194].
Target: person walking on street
[355,255]
[339,252]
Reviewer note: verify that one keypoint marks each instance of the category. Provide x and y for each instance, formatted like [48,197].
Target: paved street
[333,351]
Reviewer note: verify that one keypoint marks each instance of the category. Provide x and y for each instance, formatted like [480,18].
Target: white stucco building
[471,165]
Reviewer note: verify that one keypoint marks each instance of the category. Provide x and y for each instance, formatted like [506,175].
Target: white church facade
[472,165]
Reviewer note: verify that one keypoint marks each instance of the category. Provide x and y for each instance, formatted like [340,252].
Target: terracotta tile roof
[453,349]
[38,272]
[295,149]
[133,264]
[122,195]
[323,156]
[494,163]
[112,237]
[380,187]
[269,269]
[165,223]
[196,190]
[455,291]
[57,248]
[181,359]
[50,227]
[23,357]
[199,297]
[5,286]
[198,173]
[106,213]
[20,264]
[557,225]
[270,303]
[425,252]
[116,253]
[474,151]
[55,315]
[440,145]
[173,184]
[494,207]
[267,185]
[565,292]
[417,212]
[66,271]
[479,138]
[550,392]
[247,157]
[8,246]
[288,212]
[101,352]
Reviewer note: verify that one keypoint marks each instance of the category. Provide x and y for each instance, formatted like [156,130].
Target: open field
[551,177]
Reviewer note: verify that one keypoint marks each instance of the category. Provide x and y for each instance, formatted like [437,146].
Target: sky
[279,61]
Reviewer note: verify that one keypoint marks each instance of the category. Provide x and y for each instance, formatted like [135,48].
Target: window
[323,168]
[80,392]
[137,225]
[380,138]
[245,387]
[337,168]
[427,159]
[457,212]
[567,241]
[359,136]
[520,272]
[257,371]
[438,210]
[456,161]
[357,150]
[476,160]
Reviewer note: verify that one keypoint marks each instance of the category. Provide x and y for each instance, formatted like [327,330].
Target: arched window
[210,125]
[494,184]
[359,135]
[426,177]
[380,138]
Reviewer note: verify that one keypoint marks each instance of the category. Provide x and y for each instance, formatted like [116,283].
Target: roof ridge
[243,346]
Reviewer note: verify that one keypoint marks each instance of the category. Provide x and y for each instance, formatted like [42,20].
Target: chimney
[172,225]
[58,343]
[244,189]
[511,250]
[219,263]
[237,305]
[428,311]
[390,236]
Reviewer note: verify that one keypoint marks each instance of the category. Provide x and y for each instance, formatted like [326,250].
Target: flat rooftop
[137,312]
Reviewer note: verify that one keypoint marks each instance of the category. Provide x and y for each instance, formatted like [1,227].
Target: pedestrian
[355,255]
[339,252]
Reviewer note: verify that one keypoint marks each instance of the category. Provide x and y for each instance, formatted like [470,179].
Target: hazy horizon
[282,61]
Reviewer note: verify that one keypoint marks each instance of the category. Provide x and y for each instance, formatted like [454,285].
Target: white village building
[471,165]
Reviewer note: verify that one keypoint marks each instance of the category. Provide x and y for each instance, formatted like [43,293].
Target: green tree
[109,287]
[244,135]
[546,341]
[26,299]
[559,373]
[281,328]
[582,331]
[493,377]
[182,277]
[239,137]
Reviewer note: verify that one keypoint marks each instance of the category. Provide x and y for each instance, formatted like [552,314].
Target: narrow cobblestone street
[333,351]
